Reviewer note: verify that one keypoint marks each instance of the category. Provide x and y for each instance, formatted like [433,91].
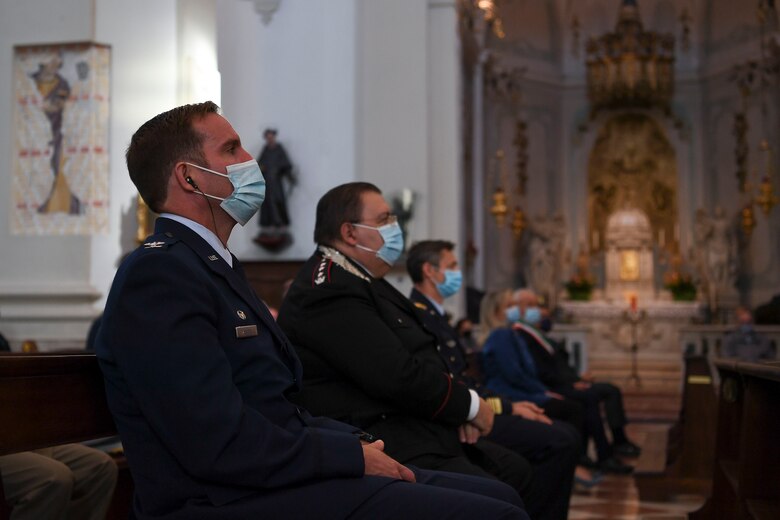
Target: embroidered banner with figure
[60,153]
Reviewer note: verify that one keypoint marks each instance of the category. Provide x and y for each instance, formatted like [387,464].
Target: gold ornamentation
[518,222]
[748,220]
[499,209]
[631,67]
[633,165]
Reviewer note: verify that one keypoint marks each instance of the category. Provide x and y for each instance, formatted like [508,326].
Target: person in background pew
[199,376]
[510,369]
[745,343]
[552,447]
[71,481]
[556,372]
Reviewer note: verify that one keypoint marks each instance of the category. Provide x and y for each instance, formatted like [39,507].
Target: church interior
[621,158]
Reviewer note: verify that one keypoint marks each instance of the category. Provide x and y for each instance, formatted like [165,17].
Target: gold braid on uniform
[340,260]
[495,404]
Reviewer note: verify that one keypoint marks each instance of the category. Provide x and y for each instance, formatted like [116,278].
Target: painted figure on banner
[55,91]
[280,180]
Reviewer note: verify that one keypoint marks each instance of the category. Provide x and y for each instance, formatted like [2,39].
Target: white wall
[51,287]
[296,74]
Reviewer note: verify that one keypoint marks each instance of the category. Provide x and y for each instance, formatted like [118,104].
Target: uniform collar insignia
[340,260]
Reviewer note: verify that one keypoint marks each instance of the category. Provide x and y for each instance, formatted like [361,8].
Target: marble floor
[617,496]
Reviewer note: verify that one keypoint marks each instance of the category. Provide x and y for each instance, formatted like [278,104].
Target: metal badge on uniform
[241,314]
[246,331]
[153,245]
[213,258]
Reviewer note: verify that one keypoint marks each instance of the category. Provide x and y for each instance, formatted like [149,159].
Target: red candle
[633,303]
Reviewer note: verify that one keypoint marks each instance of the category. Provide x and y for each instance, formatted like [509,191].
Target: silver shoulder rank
[341,261]
[153,245]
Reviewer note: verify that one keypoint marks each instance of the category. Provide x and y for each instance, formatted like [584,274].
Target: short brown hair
[159,144]
[426,251]
[341,204]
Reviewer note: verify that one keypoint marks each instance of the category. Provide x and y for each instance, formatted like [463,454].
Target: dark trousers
[443,495]
[568,411]
[594,425]
[483,459]
[612,398]
[553,451]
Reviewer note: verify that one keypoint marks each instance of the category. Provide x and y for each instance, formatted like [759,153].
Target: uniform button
[452,359]
[383,416]
[400,320]
[452,375]
[438,347]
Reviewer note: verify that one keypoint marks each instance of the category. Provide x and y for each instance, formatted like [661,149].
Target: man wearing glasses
[368,359]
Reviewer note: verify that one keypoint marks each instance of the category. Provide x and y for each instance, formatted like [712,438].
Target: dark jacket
[198,377]
[369,360]
[453,354]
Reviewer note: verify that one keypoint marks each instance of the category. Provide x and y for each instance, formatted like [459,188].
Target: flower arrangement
[681,286]
[579,287]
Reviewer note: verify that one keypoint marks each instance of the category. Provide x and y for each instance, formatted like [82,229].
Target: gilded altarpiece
[633,166]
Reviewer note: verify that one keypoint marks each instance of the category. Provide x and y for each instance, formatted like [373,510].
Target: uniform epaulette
[321,272]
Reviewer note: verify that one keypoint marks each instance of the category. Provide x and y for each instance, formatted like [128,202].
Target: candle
[633,303]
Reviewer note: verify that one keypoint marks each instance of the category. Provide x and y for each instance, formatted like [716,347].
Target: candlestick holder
[634,317]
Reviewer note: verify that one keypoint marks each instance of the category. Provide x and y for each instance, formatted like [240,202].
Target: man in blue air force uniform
[198,374]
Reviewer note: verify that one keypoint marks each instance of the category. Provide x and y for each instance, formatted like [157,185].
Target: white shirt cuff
[474,406]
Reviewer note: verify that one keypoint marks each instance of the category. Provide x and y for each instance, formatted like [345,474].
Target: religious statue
[716,253]
[55,90]
[277,171]
[545,248]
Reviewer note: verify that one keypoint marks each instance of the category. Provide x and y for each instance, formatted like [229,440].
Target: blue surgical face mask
[391,250]
[248,190]
[513,314]
[451,283]
[532,315]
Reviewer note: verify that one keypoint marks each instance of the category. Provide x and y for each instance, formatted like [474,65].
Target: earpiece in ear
[189,181]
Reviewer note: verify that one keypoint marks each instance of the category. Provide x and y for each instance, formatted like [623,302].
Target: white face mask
[248,190]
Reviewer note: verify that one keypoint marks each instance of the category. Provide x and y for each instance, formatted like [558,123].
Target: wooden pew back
[50,399]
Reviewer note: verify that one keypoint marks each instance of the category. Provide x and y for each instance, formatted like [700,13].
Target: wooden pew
[690,442]
[746,472]
[52,399]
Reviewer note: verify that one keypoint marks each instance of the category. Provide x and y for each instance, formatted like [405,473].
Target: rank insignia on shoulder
[153,245]
[320,275]
[420,305]
[213,258]
[241,314]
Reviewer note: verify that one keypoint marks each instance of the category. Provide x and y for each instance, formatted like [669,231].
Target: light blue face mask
[451,283]
[533,316]
[248,190]
[391,251]
[513,314]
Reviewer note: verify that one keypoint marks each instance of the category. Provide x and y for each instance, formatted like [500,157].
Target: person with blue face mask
[551,448]
[369,359]
[198,372]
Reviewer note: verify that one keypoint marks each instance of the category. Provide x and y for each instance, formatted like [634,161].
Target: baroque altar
[609,335]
